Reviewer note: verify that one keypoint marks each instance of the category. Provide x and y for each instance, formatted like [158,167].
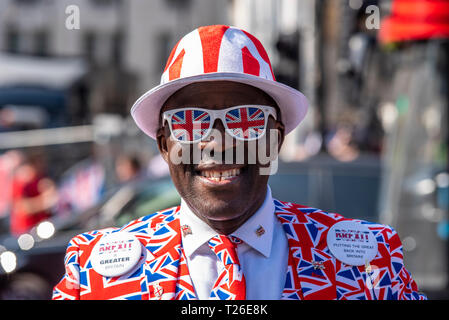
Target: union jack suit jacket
[313,272]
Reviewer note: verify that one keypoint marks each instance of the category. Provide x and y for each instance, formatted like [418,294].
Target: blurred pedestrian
[341,145]
[33,195]
[9,161]
[128,168]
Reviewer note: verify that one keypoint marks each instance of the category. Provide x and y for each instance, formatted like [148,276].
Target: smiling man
[218,116]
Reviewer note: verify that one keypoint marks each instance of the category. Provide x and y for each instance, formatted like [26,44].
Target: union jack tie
[230,284]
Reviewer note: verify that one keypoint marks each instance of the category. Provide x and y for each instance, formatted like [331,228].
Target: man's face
[228,202]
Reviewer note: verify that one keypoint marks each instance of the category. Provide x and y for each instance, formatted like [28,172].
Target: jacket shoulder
[317,219]
[79,249]
[306,214]
[147,224]
[143,226]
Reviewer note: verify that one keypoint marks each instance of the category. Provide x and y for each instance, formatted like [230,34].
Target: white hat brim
[292,103]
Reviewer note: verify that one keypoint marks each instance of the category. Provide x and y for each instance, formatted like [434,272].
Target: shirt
[263,257]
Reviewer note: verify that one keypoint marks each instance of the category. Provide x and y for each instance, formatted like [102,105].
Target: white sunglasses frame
[219,114]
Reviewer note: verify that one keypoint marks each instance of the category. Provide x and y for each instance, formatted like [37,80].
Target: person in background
[9,161]
[128,168]
[33,195]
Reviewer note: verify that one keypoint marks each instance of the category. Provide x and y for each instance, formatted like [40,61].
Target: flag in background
[82,187]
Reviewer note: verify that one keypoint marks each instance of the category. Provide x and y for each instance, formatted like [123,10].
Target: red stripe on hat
[175,69]
[171,56]
[211,37]
[250,64]
[261,50]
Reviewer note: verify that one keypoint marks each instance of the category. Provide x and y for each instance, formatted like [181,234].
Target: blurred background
[374,144]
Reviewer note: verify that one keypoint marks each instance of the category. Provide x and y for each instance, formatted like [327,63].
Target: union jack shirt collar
[257,231]
[200,231]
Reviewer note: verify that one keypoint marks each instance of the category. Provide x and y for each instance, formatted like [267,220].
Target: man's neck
[227,227]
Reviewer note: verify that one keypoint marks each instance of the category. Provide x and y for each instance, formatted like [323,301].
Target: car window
[149,199]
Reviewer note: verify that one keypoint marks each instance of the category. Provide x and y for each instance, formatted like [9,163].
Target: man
[216,115]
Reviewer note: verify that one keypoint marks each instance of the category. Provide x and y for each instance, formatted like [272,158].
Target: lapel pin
[318,265]
[158,290]
[186,230]
[260,231]
[368,267]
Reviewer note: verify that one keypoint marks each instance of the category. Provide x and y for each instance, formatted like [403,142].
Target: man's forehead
[213,94]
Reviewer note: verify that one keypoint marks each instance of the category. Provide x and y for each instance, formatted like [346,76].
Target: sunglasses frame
[220,114]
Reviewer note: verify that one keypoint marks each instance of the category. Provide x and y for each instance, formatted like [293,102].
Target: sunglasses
[192,125]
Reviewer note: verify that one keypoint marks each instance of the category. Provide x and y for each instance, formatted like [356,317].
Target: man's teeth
[220,175]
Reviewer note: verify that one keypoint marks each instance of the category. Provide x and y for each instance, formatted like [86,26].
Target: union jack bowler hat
[217,53]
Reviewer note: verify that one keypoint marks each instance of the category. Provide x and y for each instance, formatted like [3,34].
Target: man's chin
[217,208]
[217,215]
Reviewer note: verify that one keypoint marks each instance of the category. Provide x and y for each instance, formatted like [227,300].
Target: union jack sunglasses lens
[246,123]
[191,125]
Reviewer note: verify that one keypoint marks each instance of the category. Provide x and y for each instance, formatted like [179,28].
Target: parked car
[351,189]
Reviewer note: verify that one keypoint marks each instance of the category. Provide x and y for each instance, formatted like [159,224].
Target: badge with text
[352,243]
[116,254]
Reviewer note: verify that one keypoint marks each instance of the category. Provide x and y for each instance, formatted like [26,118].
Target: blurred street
[374,144]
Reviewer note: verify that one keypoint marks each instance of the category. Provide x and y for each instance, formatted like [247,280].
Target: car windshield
[152,197]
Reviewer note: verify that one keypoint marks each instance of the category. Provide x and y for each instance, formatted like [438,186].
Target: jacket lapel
[311,272]
[166,276]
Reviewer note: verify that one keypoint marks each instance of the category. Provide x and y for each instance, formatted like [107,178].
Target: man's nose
[218,140]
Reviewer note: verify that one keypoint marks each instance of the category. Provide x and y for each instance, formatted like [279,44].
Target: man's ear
[161,140]
[281,133]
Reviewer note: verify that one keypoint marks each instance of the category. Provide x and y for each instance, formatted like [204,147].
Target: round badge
[116,254]
[352,243]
